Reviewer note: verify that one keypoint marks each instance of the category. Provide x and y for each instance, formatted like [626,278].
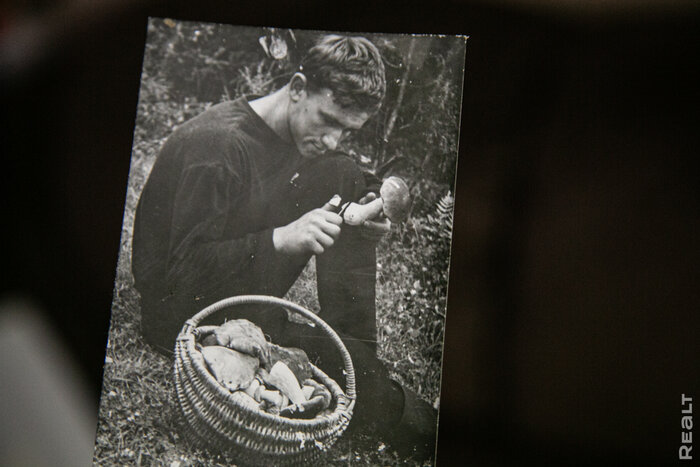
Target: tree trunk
[399,100]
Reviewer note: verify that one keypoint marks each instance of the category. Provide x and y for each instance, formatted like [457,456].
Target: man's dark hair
[351,67]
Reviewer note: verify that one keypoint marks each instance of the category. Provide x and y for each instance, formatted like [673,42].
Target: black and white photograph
[456,232]
[282,280]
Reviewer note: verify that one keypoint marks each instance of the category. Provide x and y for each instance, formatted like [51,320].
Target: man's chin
[311,152]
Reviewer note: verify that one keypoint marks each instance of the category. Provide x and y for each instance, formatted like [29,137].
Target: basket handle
[268,300]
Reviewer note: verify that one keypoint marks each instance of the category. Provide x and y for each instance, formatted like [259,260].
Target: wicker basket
[215,419]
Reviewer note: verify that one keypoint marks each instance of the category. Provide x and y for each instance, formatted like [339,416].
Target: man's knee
[333,174]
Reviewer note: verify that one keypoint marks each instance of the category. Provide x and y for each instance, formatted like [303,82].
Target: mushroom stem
[356,214]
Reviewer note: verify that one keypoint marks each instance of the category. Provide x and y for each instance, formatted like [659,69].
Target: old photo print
[308,170]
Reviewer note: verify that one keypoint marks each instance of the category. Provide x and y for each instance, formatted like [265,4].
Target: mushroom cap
[245,337]
[396,198]
[295,359]
[232,369]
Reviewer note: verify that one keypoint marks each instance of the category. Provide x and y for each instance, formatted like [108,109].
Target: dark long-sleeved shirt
[205,218]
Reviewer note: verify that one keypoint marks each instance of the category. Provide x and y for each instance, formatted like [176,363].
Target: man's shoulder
[224,118]
[221,127]
[207,140]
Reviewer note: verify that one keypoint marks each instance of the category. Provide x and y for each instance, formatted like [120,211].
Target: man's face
[317,124]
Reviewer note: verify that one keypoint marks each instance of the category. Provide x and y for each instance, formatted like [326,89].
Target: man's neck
[273,110]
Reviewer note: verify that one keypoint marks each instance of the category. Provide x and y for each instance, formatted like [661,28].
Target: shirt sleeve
[201,258]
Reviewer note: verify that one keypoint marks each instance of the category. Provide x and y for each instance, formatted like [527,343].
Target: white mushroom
[282,378]
[394,202]
[233,369]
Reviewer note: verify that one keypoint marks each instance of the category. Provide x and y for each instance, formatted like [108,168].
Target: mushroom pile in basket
[260,374]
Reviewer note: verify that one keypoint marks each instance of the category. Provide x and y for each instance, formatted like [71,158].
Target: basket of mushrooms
[263,403]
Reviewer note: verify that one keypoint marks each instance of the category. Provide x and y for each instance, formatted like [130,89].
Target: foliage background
[190,66]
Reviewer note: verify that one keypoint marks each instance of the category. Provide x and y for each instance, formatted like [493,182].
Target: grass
[139,421]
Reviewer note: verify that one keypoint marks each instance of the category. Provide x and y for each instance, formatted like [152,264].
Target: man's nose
[330,140]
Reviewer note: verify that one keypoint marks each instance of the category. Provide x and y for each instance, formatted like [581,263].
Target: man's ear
[297,86]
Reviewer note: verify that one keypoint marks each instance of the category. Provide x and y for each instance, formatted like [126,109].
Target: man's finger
[371,196]
[326,241]
[316,248]
[333,205]
[375,230]
[381,227]
[332,217]
[331,229]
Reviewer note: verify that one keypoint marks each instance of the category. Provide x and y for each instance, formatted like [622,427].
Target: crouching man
[237,203]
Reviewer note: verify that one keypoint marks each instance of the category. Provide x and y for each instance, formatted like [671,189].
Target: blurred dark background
[573,307]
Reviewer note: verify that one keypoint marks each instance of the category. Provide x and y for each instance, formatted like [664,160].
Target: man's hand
[376,228]
[312,233]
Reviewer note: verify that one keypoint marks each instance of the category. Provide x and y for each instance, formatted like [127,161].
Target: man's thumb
[333,205]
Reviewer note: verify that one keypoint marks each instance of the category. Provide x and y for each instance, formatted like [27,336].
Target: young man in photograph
[238,202]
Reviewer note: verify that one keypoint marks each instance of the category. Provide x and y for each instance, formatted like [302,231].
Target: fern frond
[439,223]
[446,205]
